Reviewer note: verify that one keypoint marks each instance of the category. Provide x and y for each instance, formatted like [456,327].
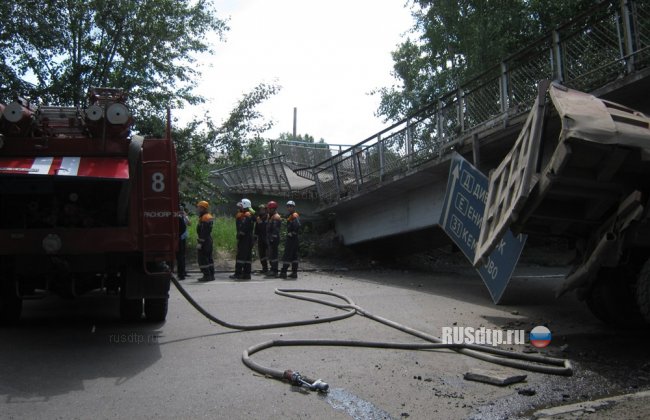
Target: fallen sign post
[461,219]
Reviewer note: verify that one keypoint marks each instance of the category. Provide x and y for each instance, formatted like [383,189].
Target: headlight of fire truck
[15,112]
[94,113]
[117,114]
[52,243]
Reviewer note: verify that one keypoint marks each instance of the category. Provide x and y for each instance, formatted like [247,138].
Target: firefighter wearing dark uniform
[204,241]
[245,223]
[260,235]
[273,226]
[291,244]
[183,223]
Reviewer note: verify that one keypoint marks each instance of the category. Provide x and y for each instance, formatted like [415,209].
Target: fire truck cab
[85,205]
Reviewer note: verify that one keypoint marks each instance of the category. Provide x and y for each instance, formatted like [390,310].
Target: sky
[327,55]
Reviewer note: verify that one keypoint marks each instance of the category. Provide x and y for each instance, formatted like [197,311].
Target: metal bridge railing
[597,47]
[304,154]
[303,157]
[275,173]
[260,176]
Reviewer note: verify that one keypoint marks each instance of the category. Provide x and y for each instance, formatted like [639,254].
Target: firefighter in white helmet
[291,245]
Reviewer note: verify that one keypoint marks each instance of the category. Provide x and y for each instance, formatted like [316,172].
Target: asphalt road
[74,359]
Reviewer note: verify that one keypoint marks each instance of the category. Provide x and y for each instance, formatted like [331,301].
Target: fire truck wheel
[612,298]
[643,291]
[155,309]
[130,309]
[10,307]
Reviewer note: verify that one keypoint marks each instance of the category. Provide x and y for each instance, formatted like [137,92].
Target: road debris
[493,376]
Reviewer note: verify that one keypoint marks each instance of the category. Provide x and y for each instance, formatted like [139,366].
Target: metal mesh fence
[592,52]
[525,71]
[482,100]
[641,32]
[304,154]
[424,143]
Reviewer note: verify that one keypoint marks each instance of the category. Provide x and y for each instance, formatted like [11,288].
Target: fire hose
[529,362]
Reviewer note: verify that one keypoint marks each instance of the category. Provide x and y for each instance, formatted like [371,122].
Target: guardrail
[304,154]
[597,47]
[265,176]
[303,157]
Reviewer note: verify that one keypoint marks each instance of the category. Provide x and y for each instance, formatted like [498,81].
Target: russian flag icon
[540,336]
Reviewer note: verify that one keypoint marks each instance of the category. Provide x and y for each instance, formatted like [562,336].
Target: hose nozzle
[319,386]
[296,379]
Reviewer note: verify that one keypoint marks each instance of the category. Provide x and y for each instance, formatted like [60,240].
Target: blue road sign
[461,219]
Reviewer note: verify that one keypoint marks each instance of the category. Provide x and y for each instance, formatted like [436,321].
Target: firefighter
[260,236]
[183,223]
[204,239]
[245,224]
[273,226]
[291,244]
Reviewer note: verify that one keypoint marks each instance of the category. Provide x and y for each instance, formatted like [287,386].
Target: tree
[305,138]
[57,50]
[193,157]
[205,145]
[243,127]
[452,41]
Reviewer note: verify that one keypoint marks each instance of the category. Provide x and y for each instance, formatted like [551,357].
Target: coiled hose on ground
[529,362]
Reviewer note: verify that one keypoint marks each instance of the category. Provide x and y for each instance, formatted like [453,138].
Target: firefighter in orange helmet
[204,241]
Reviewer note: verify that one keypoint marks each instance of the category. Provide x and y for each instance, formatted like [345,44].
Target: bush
[224,235]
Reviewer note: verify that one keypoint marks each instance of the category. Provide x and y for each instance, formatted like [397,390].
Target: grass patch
[224,235]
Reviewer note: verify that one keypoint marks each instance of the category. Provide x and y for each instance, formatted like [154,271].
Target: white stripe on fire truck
[41,165]
[69,166]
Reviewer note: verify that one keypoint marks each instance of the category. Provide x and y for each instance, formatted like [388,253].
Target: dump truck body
[580,169]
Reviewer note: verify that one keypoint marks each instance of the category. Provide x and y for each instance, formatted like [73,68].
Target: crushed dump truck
[85,206]
[580,169]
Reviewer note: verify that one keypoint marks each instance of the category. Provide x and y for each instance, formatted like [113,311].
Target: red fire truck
[85,206]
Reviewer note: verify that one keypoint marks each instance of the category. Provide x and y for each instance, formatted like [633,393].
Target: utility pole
[295,122]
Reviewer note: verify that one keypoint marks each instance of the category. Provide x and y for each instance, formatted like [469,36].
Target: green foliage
[224,235]
[244,123]
[205,145]
[55,51]
[451,41]
[193,157]
[146,47]
[305,138]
